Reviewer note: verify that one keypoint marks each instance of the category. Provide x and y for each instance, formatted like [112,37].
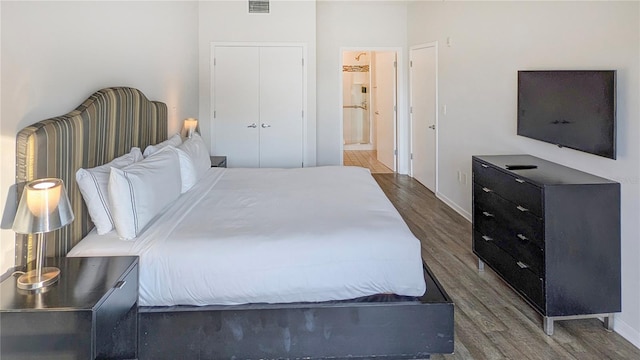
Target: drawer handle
[487,190]
[120,284]
[484,166]
[523,209]
[487,238]
[520,181]
[523,265]
[487,214]
[522,237]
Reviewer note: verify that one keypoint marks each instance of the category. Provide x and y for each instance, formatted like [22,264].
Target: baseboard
[454,206]
[632,335]
[359,147]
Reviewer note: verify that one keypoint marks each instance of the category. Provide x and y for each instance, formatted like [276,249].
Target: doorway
[369,98]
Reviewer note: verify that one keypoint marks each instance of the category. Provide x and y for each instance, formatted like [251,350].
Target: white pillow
[197,151]
[93,185]
[140,191]
[175,140]
[188,172]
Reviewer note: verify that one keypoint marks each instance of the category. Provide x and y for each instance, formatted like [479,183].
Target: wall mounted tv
[574,109]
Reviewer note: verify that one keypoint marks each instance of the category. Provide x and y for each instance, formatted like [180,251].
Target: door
[281,105]
[258,102]
[236,95]
[423,97]
[385,105]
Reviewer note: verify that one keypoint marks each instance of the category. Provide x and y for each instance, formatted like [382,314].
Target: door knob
[432,127]
[265,125]
[252,126]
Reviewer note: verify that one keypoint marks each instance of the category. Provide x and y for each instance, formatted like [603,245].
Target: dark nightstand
[219,161]
[90,313]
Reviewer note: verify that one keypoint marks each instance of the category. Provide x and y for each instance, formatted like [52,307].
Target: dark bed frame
[107,125]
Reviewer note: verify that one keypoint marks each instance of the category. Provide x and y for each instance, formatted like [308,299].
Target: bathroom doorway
[369,81]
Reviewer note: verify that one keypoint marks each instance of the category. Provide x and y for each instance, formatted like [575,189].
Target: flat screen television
[574,109]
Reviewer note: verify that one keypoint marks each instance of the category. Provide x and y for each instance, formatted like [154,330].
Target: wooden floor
[366,159]
[491,321]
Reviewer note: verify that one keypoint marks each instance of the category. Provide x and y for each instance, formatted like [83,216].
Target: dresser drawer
[495,214]
[522,279]
[517,233]
[527,253]
[523,194]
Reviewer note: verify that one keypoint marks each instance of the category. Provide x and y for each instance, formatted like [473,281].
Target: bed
[253,304]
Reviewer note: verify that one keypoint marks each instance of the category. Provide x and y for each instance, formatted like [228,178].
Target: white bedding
[272,236]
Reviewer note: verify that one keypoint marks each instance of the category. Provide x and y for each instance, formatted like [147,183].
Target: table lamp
[44,207]
[190,125]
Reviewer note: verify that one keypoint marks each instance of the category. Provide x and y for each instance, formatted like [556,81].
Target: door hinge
[395,108]
[303,164]
[214,61]
[410,109]
[410,63]
[411,156]
[214,114]
[395,64]
[395,152]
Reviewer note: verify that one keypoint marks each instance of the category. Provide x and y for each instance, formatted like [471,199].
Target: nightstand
[91,312]
[219,161]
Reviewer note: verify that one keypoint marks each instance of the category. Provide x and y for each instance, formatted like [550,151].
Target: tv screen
[574,109]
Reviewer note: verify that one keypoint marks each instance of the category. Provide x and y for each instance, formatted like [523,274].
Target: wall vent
[258,6]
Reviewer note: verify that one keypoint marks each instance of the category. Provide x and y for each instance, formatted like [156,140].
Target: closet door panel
[281,106]
[237,105]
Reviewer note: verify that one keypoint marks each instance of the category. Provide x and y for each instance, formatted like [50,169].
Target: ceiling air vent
[258,6]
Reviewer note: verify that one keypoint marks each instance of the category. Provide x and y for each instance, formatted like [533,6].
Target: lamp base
[31,281]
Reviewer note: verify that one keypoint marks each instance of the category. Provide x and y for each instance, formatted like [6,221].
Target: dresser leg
[608,322]
[547,324]
[480,265]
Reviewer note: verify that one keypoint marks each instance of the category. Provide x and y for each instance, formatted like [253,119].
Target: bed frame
[107,125]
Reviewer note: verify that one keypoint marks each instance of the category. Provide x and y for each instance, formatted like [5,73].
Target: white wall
[287,22]
[55,54]
[490,41]
[345,25]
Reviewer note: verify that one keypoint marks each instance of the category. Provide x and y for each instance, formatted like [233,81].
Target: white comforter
[272,236]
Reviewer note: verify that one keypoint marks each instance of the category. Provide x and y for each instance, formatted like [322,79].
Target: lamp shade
[44,206]
[190,125]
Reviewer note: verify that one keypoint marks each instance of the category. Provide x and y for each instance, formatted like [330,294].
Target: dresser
[90,313]
[551,232]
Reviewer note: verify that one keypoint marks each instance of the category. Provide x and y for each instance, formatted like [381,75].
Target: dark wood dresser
[551,232]
[90,313]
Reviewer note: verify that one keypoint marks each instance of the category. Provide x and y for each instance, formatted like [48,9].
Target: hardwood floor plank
[491,320]
[366,159]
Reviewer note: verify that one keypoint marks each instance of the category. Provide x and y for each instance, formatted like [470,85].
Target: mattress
[272,236]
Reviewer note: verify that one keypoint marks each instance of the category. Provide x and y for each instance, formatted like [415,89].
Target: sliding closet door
[281,106]
[236,102]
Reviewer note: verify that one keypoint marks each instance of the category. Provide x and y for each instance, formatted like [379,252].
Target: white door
[423,83]
[281,106]
[236,101]
[258,105]
[385,105]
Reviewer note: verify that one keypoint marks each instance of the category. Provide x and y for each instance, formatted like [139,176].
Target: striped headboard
[106,125]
